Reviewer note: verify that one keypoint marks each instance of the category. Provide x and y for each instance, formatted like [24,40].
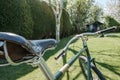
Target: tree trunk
[57,9]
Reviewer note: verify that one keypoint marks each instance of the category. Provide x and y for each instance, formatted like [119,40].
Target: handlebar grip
[59,55]
[105,30]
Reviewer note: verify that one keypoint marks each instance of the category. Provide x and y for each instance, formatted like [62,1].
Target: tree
[26,19]
[57,7]
[79,11]
[111,21]
[114,9]
[95,14]
[65,2]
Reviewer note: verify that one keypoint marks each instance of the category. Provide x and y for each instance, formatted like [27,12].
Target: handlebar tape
[105,30]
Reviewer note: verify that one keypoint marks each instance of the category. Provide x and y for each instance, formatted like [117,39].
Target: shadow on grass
[73,51]
[75,78]
[115,55]
[110,67]
[14,72]
[65,60]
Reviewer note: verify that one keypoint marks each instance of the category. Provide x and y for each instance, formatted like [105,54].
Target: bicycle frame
[39,61]
[58,74]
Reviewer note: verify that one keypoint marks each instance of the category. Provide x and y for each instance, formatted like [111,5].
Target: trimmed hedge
[44,20]
[15,17]
[66,26]
[31,19]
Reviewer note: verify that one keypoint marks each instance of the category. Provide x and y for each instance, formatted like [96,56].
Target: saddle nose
[40,46]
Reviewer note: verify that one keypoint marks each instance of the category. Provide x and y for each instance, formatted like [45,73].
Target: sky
[109,7]
[105,4]
[102,3]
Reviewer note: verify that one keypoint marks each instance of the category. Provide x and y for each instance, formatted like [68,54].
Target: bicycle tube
[83,65]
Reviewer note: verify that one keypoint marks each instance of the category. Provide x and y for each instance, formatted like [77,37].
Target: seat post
[45,69]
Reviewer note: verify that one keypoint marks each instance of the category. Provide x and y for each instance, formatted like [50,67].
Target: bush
[44,20]
[112,22]
[31,19]
[15,17]
[66,26]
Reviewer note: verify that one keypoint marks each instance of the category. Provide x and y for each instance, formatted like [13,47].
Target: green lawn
[106,52]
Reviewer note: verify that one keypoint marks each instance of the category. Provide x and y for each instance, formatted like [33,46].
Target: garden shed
[94,26]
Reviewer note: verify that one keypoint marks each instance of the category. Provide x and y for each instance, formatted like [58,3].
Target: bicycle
[15,50]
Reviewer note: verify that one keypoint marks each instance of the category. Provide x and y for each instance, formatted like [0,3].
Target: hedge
[31,19]
[15,17]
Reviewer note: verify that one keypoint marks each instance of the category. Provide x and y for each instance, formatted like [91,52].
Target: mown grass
[106,52]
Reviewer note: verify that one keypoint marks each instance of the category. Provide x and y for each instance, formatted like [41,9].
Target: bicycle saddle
[16,48]
[41,45]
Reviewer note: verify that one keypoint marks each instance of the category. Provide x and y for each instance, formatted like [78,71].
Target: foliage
[112,22]
[27,28]
[79,13]
[31,19]
[43,18]
[95,14]
[66,26]
[114,9]
[15,17]
[65,3]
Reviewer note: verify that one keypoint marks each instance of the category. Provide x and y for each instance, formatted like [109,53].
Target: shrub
[15,17]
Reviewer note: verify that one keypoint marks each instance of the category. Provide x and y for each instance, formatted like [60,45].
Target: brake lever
[59,56]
